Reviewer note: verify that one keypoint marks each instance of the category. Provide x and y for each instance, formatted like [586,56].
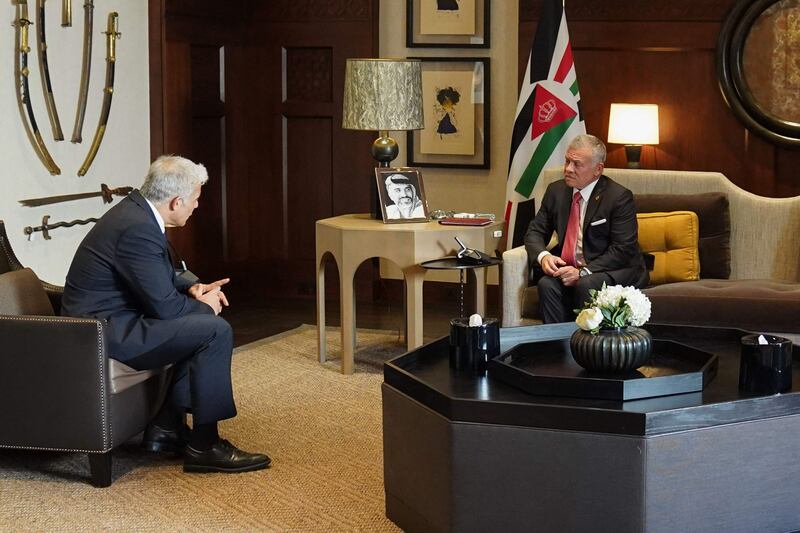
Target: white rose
[589,319]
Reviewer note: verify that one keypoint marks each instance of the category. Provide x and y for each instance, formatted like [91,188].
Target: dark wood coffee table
[467,453]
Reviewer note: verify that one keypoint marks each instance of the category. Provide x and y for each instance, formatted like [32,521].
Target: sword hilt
[109,193]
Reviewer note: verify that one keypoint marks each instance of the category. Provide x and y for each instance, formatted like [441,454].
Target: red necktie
[571,237]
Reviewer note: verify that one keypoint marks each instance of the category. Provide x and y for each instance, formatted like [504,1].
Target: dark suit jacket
[611,246]
[122,273]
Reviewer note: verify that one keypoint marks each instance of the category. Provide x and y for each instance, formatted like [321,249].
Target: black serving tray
[548,369]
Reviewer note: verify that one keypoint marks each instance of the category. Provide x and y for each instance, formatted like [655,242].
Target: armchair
[58,387]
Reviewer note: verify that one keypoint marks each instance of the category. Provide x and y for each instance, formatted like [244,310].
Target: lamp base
[633,152]
[384,150]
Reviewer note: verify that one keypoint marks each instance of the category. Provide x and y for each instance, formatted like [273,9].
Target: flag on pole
[548,114]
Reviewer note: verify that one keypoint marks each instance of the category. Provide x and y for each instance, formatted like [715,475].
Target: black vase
[611,351]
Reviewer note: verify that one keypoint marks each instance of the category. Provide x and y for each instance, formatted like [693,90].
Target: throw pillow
[672,240]
[21,293]
[714,241]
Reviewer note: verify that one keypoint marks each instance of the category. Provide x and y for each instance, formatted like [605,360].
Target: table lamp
[633,125]
[382,95]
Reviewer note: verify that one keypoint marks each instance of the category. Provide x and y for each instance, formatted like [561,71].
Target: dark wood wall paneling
[276,154]
[665,53]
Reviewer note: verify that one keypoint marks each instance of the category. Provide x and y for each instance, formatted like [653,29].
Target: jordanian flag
[548,115]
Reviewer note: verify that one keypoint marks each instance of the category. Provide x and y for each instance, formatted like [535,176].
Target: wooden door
[254,91]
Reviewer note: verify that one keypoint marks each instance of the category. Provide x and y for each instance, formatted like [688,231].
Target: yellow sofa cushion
[672,239]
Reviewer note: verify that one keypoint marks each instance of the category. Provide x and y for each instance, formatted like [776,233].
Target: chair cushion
[21,293]
[672,239]
[757,305]
[713,213]
[123,377]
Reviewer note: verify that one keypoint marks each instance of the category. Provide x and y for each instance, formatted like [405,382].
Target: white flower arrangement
[613,307]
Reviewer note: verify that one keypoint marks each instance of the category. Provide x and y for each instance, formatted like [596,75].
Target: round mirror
[758,65]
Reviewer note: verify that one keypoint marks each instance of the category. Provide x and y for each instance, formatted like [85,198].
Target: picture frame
[447,23]
[401,195]
[455,96]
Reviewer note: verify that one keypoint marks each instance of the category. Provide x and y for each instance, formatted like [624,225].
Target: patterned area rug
[321,428]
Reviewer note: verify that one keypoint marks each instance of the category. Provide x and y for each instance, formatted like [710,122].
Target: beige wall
[460,189]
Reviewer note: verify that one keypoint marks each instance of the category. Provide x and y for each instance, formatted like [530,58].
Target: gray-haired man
[121,273]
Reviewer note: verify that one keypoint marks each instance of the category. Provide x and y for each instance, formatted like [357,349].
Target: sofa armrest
[514,282]
[54,384]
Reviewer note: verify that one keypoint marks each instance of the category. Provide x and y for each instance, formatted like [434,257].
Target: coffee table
[470,453]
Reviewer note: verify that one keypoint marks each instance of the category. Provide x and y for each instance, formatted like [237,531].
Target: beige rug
[321,428]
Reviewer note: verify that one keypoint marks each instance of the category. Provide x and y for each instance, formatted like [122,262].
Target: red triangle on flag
[548,111]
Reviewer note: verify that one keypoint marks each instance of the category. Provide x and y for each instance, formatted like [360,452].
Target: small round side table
[452,263]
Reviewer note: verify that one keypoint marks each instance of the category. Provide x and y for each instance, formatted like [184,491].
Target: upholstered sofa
[755,263]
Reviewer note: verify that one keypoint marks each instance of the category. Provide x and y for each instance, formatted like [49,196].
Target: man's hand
[569,275]
[199,289]
[551,263]
[214,299]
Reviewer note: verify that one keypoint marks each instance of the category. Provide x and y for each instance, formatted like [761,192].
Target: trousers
[558,303]
[200,350]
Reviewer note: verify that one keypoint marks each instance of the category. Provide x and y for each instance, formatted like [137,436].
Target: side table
[452,263]
[352,239]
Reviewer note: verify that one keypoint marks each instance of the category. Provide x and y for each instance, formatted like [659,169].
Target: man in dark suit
[122,273]
[595,221]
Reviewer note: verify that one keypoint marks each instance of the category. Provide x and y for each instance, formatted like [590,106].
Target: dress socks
[204,436]
[170,417]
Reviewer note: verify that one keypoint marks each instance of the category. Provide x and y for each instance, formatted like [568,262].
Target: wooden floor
[254,320]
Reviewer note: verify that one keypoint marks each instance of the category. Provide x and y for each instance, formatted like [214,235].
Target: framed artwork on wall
[447,23]
[455,99]
[401,194]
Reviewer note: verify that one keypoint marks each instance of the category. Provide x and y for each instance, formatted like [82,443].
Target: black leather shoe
[158,439]
[223,457]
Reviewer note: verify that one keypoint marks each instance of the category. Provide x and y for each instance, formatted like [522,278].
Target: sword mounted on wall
[44,71]
[112,34]
[47,226]
[105,192]
[22,87]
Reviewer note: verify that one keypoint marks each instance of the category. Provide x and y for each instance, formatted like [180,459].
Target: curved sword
[86,67]
[44,70]
[21,50]
[112,34]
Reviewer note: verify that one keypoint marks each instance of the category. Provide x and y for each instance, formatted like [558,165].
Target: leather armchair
[58,387]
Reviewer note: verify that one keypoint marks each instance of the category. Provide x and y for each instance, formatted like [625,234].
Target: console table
[352,239]
[471,453]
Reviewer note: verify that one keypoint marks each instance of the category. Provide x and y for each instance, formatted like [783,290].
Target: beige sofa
[763,291]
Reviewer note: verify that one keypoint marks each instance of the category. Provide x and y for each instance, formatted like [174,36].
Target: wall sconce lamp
[382,95]
[633,125]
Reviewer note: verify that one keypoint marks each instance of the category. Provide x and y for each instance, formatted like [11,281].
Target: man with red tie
[595,220]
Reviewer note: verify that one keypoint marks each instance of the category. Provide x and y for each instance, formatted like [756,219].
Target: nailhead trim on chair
[41,448]
[13,262]
[107,434]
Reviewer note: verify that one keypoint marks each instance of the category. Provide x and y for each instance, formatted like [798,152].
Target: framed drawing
[455,99]
[447,23]
[401,195]
[758,67]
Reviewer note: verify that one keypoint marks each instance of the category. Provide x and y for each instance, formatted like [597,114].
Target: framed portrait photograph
[455,98]
[447,23]
[401,195]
